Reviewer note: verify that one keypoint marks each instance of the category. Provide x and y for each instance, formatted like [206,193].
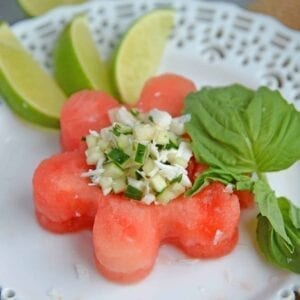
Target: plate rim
[266,18]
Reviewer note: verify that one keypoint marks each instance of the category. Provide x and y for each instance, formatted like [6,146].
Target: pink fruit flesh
[63,199]
[165,92]
[84,111]
[246,199]
[127,234]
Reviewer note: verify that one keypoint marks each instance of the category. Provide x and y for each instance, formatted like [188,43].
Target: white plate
[214,44]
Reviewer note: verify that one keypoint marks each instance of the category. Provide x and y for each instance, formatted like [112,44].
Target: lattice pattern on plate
[7,294]
[213,32]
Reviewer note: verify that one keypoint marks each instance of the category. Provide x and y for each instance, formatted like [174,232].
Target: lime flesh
[140,52]
[27,88]
[77,62]
[38,7]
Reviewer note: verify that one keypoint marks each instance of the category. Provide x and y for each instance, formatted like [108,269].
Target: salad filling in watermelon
[118,164]
[142,155]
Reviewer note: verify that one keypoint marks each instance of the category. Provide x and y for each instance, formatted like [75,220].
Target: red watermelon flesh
[127,234]
[246,199]
[166,92]
[84,111]
[64,201]
[126,238]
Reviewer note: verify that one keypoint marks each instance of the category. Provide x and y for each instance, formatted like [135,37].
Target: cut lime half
[27,88]
[38,7]
[140,52]
[77,63]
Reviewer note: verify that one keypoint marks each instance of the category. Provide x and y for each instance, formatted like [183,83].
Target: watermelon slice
[84,111]
[127,234]
[166,92]
[246,199]
[87,110]
[64,202]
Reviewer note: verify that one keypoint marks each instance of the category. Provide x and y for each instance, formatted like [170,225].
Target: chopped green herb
[177,179]
[116,130]
[140,153]
[171,145]
[134,112]
[128,154]
[119,129]
[118,156]
[133,193]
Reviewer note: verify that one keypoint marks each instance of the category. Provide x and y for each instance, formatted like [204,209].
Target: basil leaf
[243,131]
[240,182]
[273,246]
[237,131]
[274,127]
[264,196]
[269,207]
[265,238]
[217,128]
[294,213]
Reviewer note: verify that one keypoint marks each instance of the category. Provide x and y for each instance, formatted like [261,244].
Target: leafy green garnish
[273,246]
[264,195]
[240,182]
[238,131]
[269,207]
[294,213]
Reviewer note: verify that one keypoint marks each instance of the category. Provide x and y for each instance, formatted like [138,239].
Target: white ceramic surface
[213,44]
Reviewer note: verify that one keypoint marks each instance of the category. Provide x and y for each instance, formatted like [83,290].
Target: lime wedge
[77,63]
[140,52]
[38,7]
[27,88]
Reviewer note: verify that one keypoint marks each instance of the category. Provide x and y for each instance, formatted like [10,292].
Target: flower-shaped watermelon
[127,233]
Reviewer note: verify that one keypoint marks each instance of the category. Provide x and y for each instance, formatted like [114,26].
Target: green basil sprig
[244,131]
[238,181]
[273,246]
[238,131]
